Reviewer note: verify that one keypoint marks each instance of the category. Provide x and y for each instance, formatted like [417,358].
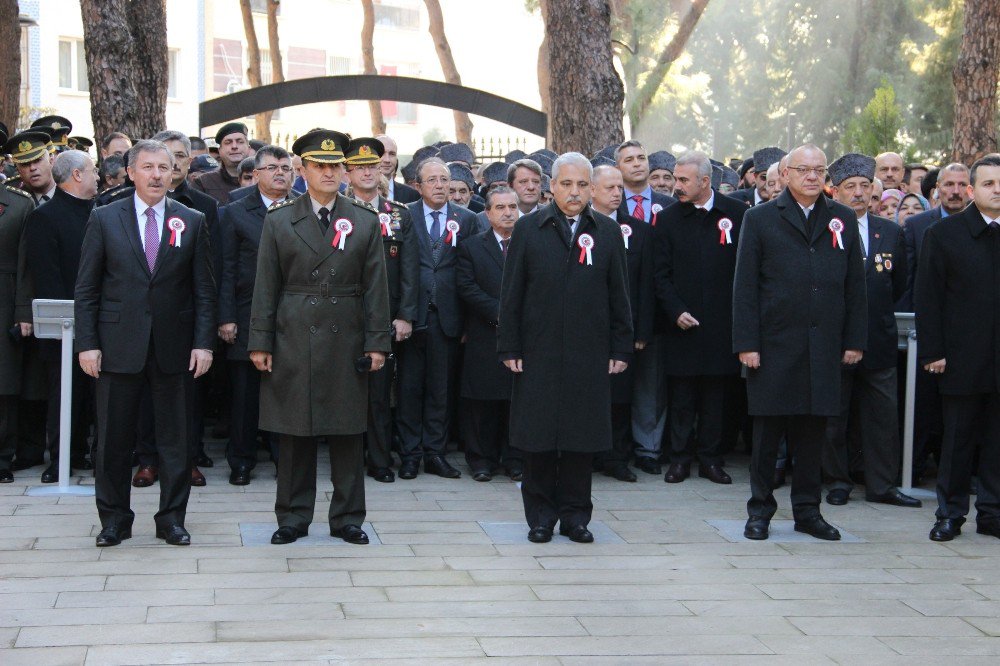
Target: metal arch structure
[248,102]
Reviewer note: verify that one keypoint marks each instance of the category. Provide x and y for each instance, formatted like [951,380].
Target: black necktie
[994,226]
[569,229]
[435,225]
[505,243]
[324,220]
[809,221]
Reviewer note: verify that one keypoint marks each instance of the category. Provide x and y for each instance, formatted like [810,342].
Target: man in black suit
[242,222]
[55,237]
[868,390]
[145,314]
[388,165]
[763,158]
[799,314]
[486,383]
[565,328]
[958,328]
[428,360]
[649,391]
[695,260]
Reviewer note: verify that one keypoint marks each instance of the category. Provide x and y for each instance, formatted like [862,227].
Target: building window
[172,74]
[406,18]
[338,66]
[73,65]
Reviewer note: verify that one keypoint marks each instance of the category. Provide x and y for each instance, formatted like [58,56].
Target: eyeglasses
[819,172]
[271,168]
[436,180]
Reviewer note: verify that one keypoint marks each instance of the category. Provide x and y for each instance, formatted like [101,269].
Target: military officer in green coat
[319,322]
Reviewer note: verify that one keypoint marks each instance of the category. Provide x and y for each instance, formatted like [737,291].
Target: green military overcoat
[317,309]
[15,287]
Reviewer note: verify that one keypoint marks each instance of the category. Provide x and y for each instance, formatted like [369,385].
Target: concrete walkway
[450,578]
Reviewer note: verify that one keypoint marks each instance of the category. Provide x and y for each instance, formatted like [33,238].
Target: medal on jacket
[384,220]
[452,237]
[176,226]
[725,226]
[586,243]
[344,228]
[626,232]
[655,209]
[836,227]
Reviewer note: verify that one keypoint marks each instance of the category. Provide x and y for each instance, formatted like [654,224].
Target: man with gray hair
[55,235]
[565,328]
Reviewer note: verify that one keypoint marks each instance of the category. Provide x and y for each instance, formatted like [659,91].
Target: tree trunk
[975,78]
[261,120]
[277,68]
[646,93]
[110,54]
[368,59]
[10,56]
[147,21]
[543,74]
[585,92]
[463,124]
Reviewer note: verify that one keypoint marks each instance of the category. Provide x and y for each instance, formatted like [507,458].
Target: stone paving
[447,583]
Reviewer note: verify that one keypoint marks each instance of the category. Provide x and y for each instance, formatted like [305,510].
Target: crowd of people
[551,316]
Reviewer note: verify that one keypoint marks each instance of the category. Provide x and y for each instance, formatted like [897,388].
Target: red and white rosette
[836,228]
[343,227]
[725,227]
[655,209]
[586,243]
[176,226]
[452,237]
[626,232]
[385,221]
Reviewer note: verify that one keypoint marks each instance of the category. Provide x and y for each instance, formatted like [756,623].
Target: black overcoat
[642,299]
[566,320]
[16,290]
[800,302]
[695,265]
[885,280]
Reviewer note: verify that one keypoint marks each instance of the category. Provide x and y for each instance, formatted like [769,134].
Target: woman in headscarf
[910,205]
[890,202]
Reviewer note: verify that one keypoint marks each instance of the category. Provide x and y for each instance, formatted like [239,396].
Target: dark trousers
[698,407]
[118,398]
[378,439]
[484,425]
[145,437]
[295,501]
[556,487]
[805,443]
[928,420]
[244,415]
[31,425]
[79,415]
[970,420]
[198,393]
[867,409]
[621,441]
[426,373]
[8,430]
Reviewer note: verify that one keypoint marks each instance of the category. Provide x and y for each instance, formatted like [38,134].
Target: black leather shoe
[622,473]
[895,497]
[540,534]
[648,465]
[409,469]
[382,474]
[819,528]
[20,464]
[515,473]
[175,535]
[240,476]
[350,534]
[286,534]
[837,497]
[203,461]
[756,529]
[677,472]
[112,535]
[946,529]
[779,478]
[51,473]
[989,528]
[482,476]
[438,465]
[6,476]
[715,474]
[577,533]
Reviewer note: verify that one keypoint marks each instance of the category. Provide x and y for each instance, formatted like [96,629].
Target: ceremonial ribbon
[586,242]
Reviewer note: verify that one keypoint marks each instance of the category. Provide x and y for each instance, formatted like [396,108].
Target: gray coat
[800,302]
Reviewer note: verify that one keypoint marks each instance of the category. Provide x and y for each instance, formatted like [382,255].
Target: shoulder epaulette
[396,203]
[281,205]
[17,190]
[364,207]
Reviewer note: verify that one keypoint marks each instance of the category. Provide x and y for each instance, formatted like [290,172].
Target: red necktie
[638,212]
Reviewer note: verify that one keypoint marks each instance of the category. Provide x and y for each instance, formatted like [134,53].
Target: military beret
[321,145]
[230,128]
[494,172]
[851,165]
[514,156]
[746,166]
[203,163]
[25,147]
[601,160]
[763,158]
[457,152]
[462,173]
[730,177]
[716,176]
[546,184]
[364,150]
[661,159]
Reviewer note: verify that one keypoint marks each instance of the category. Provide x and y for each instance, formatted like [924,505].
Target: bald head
[806,173]
[889,169]
[390,160]
[607,189]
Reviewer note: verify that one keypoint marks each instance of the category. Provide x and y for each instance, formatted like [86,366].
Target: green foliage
[877,129]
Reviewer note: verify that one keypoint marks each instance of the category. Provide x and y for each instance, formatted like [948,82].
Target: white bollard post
[909,411]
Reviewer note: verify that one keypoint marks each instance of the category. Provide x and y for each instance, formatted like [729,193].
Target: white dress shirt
[429,221]
[863,232]
[708,204]
[140,215]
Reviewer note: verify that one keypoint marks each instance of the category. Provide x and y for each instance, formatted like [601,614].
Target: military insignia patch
[328,144]
[394,251]
[24,146]
[365,151]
